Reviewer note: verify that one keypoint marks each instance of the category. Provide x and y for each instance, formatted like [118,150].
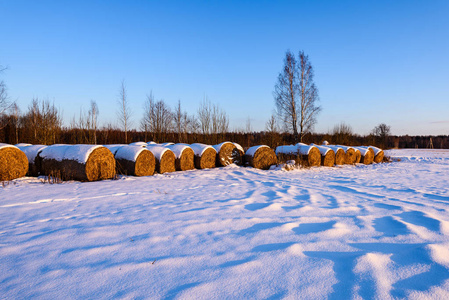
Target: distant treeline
[111,135]
[41,123]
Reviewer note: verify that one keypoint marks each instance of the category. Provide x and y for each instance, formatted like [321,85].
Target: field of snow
[376,231]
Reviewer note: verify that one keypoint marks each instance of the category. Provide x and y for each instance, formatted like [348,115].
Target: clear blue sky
[374,61]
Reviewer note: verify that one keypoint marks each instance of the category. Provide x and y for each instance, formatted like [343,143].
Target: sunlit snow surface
[377,231]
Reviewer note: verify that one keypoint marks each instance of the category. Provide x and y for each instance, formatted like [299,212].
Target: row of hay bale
[95,162]
[92,162]
[329,155]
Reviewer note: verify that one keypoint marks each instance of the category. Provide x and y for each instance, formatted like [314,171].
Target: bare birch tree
[295,95]
[308,94]
[124,112]
[93,118]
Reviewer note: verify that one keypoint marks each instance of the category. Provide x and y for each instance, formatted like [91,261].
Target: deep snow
[376,231]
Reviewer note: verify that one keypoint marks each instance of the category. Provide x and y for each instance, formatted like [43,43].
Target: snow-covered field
[377,231]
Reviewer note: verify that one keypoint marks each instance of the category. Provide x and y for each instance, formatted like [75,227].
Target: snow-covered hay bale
[34,161]
[310,156]
[350,154]
[378,154]
[260,157]
[135,160]
[165,159]
[367,155]
[241,151]
[227,153]
[340,155]
[13,162]
[205,156]
[327,155]
[184,157]
[78,162]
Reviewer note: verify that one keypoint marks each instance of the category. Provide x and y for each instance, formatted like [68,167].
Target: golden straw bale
[13,162]
[260,157]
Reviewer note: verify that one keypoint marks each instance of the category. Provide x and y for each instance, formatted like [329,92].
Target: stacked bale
[19,145]
[165,159]
[310,155]
[184,157]
[350,154]
[241,154]
[260,157]
[227,153]
[78,162]
[34,161]
[367,155]
[135,160]
[328,155]
[205,156]
[13,162]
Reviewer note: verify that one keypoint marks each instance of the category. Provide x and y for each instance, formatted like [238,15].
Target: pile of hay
[135,160]
[310,156]
[367,155]
[350,154]
[260,157]
[241,155]
[328,157]
[13,162]
[227,153]
[78,162]
[34,161]
[165,159]
[205,156]
[184,157]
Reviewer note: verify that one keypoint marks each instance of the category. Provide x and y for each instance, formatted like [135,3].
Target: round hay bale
[350,154]
[367,155]
[227,153]
[165,159]
[184,157]
[378,153]
[205,156]
[340,155]
[260,157]
[135,160]
[13,162]
[327,155]
[34,161]
[310,155]
[241,151]
[78,162]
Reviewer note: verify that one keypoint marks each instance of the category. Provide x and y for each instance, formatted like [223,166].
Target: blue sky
[374,61]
